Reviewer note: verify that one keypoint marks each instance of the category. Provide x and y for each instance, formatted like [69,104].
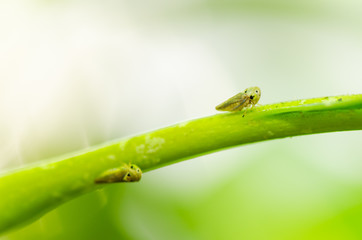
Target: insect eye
[256,91]
[132,167]
[245,91]
[138,170]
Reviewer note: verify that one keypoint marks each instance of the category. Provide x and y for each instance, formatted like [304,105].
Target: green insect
[241,101]
[125,173]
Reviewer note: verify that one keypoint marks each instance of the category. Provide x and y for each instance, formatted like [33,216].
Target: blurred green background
[78,73]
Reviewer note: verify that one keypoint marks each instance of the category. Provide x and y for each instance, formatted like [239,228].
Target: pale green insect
[125,173]
[241,101]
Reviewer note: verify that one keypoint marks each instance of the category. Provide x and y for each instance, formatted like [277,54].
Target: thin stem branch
[31,191]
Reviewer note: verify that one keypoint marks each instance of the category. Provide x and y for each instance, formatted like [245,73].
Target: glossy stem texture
[29,192]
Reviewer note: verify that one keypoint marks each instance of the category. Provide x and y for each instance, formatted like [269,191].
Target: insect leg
[246,109]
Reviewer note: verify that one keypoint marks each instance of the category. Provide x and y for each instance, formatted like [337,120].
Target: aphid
[241,101]
[125,173]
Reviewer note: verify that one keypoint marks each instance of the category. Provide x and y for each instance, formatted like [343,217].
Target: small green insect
[125,173]
[241,101]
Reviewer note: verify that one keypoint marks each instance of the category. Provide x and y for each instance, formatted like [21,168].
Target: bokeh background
[77,73]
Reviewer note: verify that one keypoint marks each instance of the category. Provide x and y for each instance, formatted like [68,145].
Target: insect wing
[112,175]
[234,103]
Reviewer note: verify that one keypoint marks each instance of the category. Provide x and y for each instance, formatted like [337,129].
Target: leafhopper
[241,101]
[125,173]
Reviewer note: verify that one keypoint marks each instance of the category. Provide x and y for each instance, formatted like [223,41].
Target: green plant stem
[29,192]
